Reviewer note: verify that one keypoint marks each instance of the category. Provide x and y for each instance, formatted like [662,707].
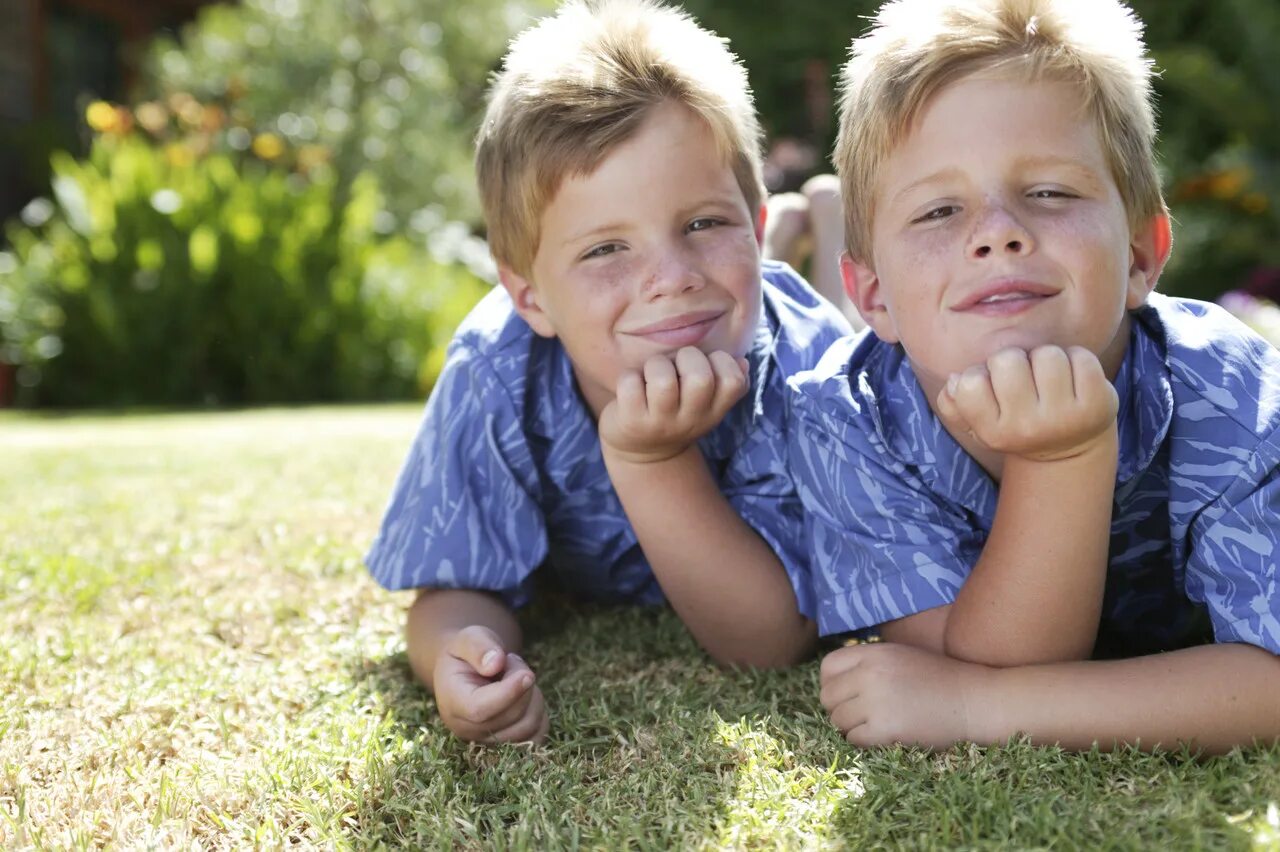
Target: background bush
[161,276]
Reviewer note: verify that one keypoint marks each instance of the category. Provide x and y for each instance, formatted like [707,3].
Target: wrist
[616,458]
[984,711]
[1097,453]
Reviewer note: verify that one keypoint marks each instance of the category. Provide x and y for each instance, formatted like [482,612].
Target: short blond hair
[916,47]
[578,84]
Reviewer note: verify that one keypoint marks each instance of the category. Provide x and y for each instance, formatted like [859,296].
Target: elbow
[1010,651]
[768,652]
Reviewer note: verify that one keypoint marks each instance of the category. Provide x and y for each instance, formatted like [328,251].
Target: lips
[1006,295]
[685,329]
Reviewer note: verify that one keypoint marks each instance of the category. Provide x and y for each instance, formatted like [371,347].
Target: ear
[525,300]
[1148,250]
[862,286]
[760,220]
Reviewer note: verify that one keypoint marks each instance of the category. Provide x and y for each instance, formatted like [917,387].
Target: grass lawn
[193,655]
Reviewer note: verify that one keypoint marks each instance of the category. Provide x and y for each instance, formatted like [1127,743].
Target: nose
[672,275]
[998,231]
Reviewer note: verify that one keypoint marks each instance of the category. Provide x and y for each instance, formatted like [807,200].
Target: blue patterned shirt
[899,513]
[506,473]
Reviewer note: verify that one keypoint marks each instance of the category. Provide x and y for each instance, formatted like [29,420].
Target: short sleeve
[1232,568]
[463,513]
[883,546]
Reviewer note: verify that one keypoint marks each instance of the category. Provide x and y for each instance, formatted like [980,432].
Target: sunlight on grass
[778,800]
[1263,829]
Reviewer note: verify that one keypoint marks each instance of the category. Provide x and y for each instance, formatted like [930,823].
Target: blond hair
[916,47]
[578,84]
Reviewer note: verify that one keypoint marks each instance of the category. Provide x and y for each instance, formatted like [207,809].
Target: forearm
[720,576]
[437,614]
[1035,594]
[1212,697]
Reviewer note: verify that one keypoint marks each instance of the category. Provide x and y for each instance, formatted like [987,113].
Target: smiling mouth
[1007,298]
[683,330]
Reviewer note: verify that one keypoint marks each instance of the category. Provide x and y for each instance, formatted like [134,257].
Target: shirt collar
[1146,396]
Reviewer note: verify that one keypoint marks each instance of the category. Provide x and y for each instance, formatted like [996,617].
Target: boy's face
[998,224]
[653,251]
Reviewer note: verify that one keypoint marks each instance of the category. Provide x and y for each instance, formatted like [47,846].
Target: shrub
[160,275]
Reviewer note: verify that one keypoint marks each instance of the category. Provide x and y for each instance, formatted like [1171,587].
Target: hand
[886,693]
[1046,405]
[486,694]
[660,412]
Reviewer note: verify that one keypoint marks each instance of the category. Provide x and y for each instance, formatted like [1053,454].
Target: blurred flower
[179,155]
[101,116]
[1255,203]
[1264,283]
[215,117]
[268,146]
[153,117]
[311,156]
[1227,184]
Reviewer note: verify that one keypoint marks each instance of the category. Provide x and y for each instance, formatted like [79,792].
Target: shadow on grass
[651,744]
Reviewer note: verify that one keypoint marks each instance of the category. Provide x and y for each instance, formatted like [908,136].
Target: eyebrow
[1049,160]
[936,177]
[1022,164]
[585,236]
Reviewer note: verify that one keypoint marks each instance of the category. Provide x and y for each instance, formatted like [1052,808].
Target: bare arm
[1035,593]
[1213,697]
[439,614]
[722,578]
[725,582]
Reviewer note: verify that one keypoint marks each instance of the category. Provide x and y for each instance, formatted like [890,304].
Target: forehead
[984,121]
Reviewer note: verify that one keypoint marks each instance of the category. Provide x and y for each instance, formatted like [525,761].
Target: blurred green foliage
[164,277]
[276,218]
[390,87]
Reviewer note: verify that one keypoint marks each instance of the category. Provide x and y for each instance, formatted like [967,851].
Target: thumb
[947,409]
[480,648]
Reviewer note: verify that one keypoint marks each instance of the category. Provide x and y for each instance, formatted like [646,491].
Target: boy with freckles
[1054,492]
[613,415]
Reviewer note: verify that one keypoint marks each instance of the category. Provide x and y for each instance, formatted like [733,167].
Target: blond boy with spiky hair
[613,416]
[1055,493]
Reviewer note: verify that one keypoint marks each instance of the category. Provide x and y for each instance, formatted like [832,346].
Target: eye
[703,224]
[602,250]
[1051,193]
[937,214]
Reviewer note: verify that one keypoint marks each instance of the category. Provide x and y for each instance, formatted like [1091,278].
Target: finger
[491,700]
[1012,382]
[528,725]
[697,380]
[517,669]
[974,398]
[480,648]
[1091,384]
[947,408]
[1051,372]
[848,715]
[840,661]
[838,689]
[731,380]
[631,395]
[662,386]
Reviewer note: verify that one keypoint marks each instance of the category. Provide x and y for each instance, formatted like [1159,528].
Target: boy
[1033,463]
[615,410]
